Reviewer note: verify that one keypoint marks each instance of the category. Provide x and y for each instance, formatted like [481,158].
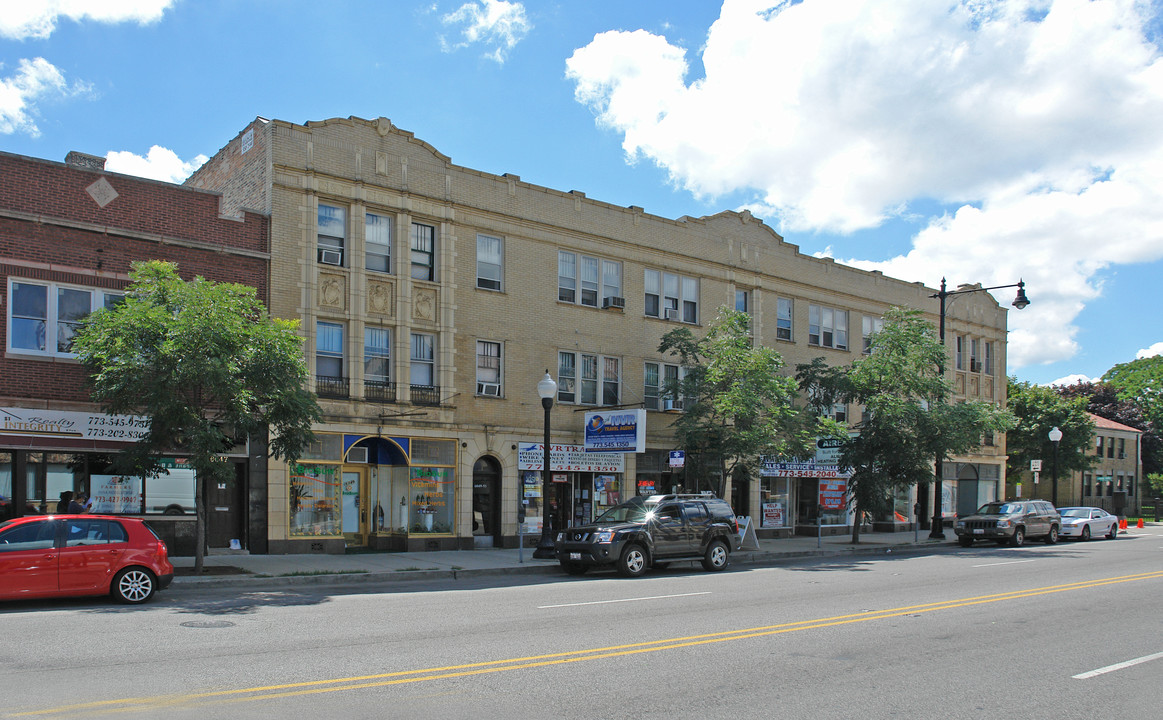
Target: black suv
[651,532]
[1009,522]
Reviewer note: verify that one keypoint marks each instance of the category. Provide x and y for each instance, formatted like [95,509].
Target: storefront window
[531,492]
[607,493]
[314,500]
[431,493]
[774,501]
[7,511]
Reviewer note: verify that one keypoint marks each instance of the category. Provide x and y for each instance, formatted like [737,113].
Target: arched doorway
[486,502]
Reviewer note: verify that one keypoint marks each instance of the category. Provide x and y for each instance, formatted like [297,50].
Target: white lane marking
[607,602]
[1011,562]
[1119,666]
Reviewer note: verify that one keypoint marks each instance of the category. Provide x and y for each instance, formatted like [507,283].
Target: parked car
[652,532]
[1086,522]
[65,555]
[1010,522]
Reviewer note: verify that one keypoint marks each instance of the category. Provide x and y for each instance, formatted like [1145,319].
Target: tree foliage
[908,422]
[1039,409]
[1107,401]
[1140,382]
[206,364]
[737,405]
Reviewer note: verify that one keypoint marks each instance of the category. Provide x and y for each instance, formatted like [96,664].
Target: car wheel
[1085,533]
[574,568]
[133,585]
[632,563]
[716,557]
[1053,536]
[1019,538]
[965,541]
[1114,531]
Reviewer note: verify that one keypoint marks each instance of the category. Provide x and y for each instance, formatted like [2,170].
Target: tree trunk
[857,516]
[200,524]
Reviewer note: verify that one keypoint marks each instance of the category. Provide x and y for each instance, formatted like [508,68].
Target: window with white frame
[589,281]
[423,360]
[423,252]
[488,368]
[44,317]
[660,381]
[490,262]
[958,353]
[612,284]
[988,358]
[671,297]
[588,379]
[378,242]
[742,301]
[332,234]
[973,364]
[377,355]
[328,349]
[827,327]
[870,326]
[783,319]
[566,277]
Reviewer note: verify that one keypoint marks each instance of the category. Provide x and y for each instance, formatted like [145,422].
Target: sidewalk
[255,572]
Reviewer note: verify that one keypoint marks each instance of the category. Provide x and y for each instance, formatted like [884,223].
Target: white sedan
[1086,522]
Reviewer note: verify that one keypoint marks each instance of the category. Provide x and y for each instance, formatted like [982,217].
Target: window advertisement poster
[115,494]
[615,431]
[774,515]
[568,458]
[833,501]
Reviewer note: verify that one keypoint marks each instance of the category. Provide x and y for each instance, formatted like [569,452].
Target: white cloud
[34,80]
[1156,349]
[1038,119]
[1070,380]
[158,164]
[36,19]
[497,24]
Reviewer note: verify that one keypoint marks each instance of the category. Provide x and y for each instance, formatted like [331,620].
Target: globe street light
[937,529]
[1055,436]
[546,389]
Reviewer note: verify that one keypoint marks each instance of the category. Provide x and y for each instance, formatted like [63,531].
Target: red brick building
[68,233]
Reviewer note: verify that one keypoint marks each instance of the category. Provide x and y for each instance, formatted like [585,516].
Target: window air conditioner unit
[613,302]
[672,313]
[357,455]
[330,257]
[668,403]
[490,389]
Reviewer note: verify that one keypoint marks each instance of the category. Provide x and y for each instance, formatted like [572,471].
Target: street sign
[677,458]
[1035,466]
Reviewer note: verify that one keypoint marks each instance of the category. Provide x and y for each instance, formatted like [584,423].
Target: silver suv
[1009,523]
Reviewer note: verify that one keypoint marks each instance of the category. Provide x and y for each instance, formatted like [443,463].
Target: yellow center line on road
[272,692]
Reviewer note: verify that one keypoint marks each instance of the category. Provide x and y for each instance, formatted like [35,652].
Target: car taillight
[162,550]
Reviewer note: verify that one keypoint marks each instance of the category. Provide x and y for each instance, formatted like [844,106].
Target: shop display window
[431,495]
[314,498]
[775,503]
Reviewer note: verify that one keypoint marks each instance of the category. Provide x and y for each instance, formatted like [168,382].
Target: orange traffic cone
[1140,525]
[1123,524]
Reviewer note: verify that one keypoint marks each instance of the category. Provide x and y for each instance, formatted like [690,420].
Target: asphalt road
[1065,631]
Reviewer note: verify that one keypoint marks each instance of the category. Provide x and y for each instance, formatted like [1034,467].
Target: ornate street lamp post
[1055,436]
[546,390]
[937,527]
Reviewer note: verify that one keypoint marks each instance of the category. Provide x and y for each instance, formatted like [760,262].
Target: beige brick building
[434,297]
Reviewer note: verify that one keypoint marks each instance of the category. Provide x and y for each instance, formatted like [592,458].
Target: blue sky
[978,140]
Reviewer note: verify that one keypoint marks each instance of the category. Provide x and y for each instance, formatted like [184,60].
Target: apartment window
[651,386]
[783,319]
[742,303]
[1122,448]
[611,283]
[988,358]
[44,318]
[974,366]
[1110,448]
[423,359]
[490,262]
[329,350]
[332,237]
[839,413]
[423,252]
[1098,445]
[566,277]
[827,327]
[488,368]
[585,378]
[671,297]
[566,377]
[377,354]
[870,326]
[958,354]
[378,242]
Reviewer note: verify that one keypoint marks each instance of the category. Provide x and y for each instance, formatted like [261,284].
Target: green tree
[1038,410]
[206,364]
[1106,401]
[908,421]
[1141,382]
[737,405]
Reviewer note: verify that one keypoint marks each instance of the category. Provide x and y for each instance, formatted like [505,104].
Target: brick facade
[362,167]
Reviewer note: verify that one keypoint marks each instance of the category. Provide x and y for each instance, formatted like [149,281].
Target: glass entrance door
[355,507]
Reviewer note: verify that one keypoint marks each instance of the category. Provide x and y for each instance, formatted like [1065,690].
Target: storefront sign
[802,469]
[773,515]
[616,431]
[828,451]
[832,494]
[116,494]
[64,423]
[568,458]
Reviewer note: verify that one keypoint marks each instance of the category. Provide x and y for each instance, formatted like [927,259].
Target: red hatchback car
[64,555]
